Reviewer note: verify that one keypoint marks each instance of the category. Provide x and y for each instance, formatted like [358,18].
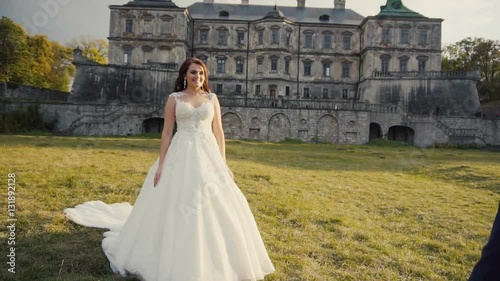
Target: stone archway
[401,133]
[254,132]
[327,129]
[279,127]
[375,131]
[152,125]
[232,126]
[303,132]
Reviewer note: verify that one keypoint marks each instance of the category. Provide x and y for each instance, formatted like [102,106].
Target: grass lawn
[325,211]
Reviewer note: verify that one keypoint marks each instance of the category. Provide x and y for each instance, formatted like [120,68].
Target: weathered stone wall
[373,46]
[270,124]
[341,126]
[330,86]
[449,97]
[110,85]
[23,92]
[159,35]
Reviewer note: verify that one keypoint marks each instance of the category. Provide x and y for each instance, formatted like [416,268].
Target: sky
[62,20]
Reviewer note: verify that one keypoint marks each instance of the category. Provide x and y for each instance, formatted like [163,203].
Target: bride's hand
[157,176]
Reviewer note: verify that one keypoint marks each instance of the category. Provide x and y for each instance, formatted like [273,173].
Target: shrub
[24,120]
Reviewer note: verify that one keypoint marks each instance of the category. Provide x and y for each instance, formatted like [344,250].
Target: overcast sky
[62,20]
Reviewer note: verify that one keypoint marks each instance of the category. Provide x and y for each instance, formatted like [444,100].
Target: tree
[14,53]
[464,55]
[95,50]
[43,58]
[62,68]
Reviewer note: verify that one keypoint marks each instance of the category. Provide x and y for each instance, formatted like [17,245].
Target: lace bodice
[195,118]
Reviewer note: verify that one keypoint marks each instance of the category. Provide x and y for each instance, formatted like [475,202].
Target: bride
[190,221]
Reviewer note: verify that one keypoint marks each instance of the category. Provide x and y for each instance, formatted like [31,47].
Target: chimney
[301,3]
[339,4]
[244,2]
[208,1]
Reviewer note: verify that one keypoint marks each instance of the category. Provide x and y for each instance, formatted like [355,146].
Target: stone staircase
[411,119]
[91,119]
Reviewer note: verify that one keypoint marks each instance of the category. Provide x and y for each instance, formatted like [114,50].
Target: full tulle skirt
[195,225]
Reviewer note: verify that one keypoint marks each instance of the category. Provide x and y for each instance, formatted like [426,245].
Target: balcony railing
[304,104]
[427,74]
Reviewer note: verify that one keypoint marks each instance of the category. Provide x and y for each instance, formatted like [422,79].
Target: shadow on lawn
[62,256]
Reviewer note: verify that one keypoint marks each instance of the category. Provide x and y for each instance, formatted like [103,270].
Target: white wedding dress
[195,225]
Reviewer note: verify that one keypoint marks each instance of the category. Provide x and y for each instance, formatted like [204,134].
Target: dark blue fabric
[488,266]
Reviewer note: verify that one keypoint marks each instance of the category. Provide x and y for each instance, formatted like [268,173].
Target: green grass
[325,212]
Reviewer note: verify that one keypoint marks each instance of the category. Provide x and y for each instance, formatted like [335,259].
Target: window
[325,93]
[260,66]
[287,91]
[307,94]
[421,66]
[240,38]
[127,56]
[403,64]
[204,59]
[386,35]
[324,17]
[307,68]
[238,89]
[288,38]
[326,69]
[166,27]
[346,70]
[384,60]
[345,94]
[129,25]
[287,66]
[203,36]
[239,65]
[261,37]
[221,65]
[148,53]
[147,27]
[405,36]
[275,36]
[423,37]
[274,64]
[327,42]
[308,42]
[257,90]
[222,37]
[219,89]
[347,42]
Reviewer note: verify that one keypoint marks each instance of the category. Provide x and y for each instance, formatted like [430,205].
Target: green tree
[464,55]
[43,58]
[62,69]
[14,54]
[95,50]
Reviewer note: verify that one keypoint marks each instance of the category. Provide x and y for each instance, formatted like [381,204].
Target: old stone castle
[316,74]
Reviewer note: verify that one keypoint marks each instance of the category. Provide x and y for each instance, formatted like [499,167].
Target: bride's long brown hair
[179,82]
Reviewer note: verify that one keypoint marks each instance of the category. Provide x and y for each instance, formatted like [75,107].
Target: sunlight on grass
[325,211]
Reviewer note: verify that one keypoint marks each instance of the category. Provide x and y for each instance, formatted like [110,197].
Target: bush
[24,120]
[292,141]
[387,143]
[457,146]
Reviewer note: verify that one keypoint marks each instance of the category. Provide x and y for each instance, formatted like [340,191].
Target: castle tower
[339,4]
[148,32]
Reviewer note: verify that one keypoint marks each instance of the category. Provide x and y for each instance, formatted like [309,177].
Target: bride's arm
[168,128]
[217,128]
